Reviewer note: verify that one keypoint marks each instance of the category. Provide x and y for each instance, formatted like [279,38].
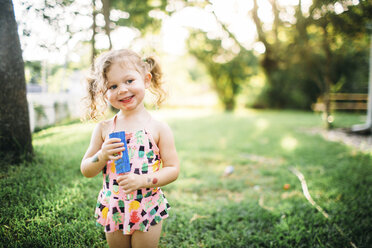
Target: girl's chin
[127,106]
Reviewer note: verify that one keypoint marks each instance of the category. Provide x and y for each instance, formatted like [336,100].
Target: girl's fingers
[109,148]
[128,191]
[113,140]
[113,158]
[116,152]
[113,146]
[123,181]
[120,149]
[126,184]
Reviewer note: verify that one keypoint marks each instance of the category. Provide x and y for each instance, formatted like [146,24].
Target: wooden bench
[343,101]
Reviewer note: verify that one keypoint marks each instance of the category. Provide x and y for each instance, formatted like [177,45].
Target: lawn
[48,203]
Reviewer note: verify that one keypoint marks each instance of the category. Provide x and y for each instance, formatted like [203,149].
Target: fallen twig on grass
[307,195]
[196,216]
[262,205]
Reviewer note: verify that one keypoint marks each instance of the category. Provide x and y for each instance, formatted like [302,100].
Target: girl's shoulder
[105,127]
[159,129]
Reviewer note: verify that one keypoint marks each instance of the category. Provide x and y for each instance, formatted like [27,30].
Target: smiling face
[126,86]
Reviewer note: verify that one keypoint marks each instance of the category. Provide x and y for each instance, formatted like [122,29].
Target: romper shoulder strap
[114,124]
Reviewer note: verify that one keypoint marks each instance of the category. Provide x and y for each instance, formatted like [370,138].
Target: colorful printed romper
[140,209]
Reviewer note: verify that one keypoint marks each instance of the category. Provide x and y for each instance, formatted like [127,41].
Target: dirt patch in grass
[359,141]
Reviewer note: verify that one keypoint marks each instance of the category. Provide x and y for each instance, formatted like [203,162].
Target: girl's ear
[147,80]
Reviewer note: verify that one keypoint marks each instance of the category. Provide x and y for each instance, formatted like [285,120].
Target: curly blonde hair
[97,80]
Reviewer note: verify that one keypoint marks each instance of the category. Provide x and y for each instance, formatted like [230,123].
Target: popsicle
[122,165]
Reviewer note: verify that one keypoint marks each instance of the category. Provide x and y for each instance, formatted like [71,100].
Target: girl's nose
[122,88]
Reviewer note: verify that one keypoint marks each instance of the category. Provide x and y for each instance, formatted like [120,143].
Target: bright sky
[234,14]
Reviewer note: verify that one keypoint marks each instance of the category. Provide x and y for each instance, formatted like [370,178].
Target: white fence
[47,108]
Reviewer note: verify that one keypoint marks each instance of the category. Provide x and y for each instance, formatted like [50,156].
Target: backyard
[48,203]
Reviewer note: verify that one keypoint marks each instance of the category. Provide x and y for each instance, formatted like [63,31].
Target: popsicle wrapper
[122,165]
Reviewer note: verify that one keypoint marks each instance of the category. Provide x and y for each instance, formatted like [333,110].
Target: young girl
[130,206]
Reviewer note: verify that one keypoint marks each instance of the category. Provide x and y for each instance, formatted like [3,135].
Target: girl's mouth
[127,99]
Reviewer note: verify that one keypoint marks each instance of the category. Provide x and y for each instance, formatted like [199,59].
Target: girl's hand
[130,182]
[111,148]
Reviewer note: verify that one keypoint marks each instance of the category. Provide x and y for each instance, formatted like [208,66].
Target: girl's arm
[99,152]
[169,173]
[169,157]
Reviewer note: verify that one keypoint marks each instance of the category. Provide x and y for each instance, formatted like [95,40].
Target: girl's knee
[118,240]
[147,239]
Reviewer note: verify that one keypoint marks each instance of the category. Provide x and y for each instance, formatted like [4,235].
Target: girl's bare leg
[118,240]
[148,239]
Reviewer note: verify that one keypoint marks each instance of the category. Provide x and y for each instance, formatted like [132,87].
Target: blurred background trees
[249,53]
[302,50]
[229,67]
[131,14]
[314,54]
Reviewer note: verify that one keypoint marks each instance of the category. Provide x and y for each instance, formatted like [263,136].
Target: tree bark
[367,127]
[15,132]
[94,29]
[327,75]
[369,110]
[106,5]
[270,61]
[276,21]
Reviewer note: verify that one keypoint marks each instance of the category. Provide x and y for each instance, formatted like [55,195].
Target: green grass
[48,203]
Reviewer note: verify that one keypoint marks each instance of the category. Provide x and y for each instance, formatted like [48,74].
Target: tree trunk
[369,110]
[367,127]
[276,21]
[15,132]
[327,77]
[106,13]
[270,60]
[94,27]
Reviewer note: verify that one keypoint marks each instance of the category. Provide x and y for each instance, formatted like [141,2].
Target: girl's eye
[130,81]
[112,87]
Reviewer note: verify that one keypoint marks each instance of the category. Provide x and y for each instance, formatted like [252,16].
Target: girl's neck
[136,114]
[132,121]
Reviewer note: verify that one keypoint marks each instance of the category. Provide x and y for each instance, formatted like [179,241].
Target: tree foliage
[131,14]
[315,53]
[139,14]
[65,18]
[229,70]
[324,51]
[60,18]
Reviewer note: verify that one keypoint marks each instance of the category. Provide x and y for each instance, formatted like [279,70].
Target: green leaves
[228,68]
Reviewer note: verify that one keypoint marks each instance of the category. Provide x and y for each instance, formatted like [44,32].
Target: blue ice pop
[122,165]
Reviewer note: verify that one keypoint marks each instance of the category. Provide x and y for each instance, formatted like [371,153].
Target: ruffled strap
[114,124]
